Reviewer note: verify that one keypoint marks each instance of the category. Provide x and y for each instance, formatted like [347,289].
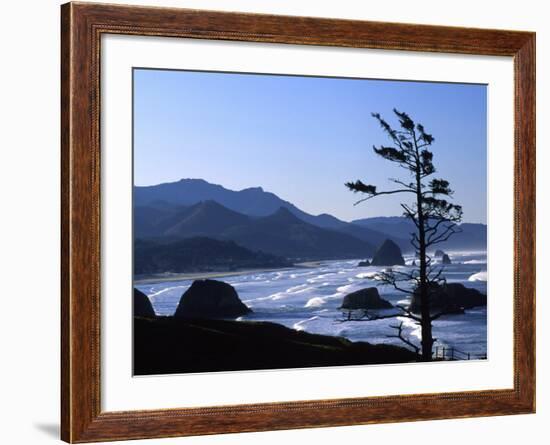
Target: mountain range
[261,221]
[281,233]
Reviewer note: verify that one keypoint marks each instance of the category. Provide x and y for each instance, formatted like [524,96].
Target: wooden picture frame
[82,25]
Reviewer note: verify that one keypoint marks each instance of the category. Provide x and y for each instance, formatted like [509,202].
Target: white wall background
[29,222]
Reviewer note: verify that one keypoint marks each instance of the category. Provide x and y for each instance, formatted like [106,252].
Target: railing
[447,353]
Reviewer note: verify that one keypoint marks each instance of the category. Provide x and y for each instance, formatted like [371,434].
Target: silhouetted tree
[434,217]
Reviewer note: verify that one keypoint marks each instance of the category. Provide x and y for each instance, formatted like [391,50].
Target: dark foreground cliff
[166,345]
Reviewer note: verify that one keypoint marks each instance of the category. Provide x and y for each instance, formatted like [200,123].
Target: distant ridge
[195,207]
[472,236]
[284,234]
[252,202]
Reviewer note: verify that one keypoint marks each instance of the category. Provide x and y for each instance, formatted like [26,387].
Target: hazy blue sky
[302,138]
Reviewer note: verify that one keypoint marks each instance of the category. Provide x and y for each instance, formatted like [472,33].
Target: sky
[303,137]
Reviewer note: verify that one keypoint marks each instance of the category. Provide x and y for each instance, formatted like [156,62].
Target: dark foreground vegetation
[169,345]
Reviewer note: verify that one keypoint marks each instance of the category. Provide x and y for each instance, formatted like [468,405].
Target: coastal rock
[363,263]
[142,305]
[450,297]
[388,254]
[439,253]
[368,298]
[445,259]
[210,299]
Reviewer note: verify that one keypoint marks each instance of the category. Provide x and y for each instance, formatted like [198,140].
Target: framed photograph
[274,222]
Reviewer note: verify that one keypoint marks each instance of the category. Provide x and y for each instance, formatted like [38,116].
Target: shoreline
[170,277]
[218,274]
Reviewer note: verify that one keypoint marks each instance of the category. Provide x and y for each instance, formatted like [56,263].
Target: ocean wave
[299,289]
[315,302]
[278,296]
[344,289]
[369,275]
[414,329]
[297,275]
[167,289]
[288,293]
[480,276]
[299,326]
[273,297]
[320,301]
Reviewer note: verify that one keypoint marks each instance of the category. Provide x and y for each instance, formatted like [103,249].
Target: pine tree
[435,218]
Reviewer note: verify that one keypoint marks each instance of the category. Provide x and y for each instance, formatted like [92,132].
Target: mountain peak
[209,204]
[284,215]
[201,180]
[193,180]
[253,189]
[204,218]
[213,209]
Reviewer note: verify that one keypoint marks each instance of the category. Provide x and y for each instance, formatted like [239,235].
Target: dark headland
[168,345]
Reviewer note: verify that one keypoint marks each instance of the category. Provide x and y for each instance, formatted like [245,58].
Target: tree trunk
[426,323]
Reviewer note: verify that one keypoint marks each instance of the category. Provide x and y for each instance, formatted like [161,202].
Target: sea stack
[368,298]
[439,253]
[142,305]
[388,254]
[210,299]
[445,259]
[450,297]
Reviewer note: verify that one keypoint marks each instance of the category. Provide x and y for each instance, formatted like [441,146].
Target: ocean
[308,298]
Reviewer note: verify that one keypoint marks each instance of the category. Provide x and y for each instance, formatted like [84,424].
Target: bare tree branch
[389,192]
[400,336]
[450,231]
[409,186]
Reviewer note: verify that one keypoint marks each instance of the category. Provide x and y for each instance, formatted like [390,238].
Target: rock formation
[142,305]
[388,254]
[210,299]
[450,297]
[368,298]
